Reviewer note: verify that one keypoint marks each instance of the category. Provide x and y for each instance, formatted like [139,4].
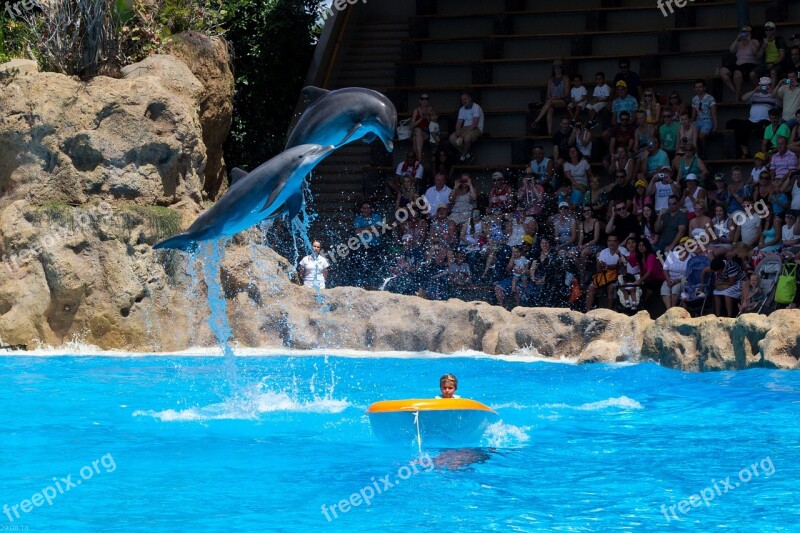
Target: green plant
[160,222]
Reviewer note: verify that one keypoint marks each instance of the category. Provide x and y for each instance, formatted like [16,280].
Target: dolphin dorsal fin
[312,94]
[237,174]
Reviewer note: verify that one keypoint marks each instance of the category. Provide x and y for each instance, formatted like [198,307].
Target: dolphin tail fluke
[181,241]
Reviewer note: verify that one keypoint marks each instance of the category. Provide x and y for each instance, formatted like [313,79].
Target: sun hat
[498,175]
[719,176]
[563,204]
[747,28]
[760,155]
[770,25]
[766,80]
[621,83]
[691,177]
[641,183]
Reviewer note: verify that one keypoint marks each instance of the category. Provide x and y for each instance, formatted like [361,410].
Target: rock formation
[83,170]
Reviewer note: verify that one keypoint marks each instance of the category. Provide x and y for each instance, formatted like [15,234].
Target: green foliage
[13,35]
[273,43]
[205,16]
[159,222]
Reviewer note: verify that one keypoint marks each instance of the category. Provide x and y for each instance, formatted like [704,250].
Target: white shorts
[597,106]
[675,290]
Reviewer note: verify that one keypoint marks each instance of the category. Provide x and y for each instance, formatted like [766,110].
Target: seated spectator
[610,261]
[651,275]
[744,50]
[772,53]
[668,134]
[542,168]
[407,194]
[720,195]
[674,275]
[661,187]
[517,272]
[691,196]
[623,102]
[515,228]
[644,132]
[462,201]
[442,230]
[653,158]
[790,234]
[770,193]
[728,278]
[748,230]
[546,273]
[738,189]
[473,240]
[773,132]
[459,276]
[434,274]
[557,97]
[623,223]
[601,97]
[578,171]
[676,105]
[620,190]
[759,167]
[647,220]
[651,108]
[761,102]
[414,236]
[689,163]
[443,165]
[622,137]
[577,98]
[469,127]
[420,122]
[704,113]
[753,294]
[438,194]
[501,195]
[794,140]
[640,197]
[367,259]
[581,138]
[561,143]
[410,167]
[723,231]
[793,59]
[530,195]
[783,162]
[771,234]
[597,199]
[565,230]
[631,79]
[687,134]
[622,161]
[700,223]
[671,225]
[788,92]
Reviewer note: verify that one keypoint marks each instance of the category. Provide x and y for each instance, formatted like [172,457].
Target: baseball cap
[683,240]
[747,28]
[691,177]
[563,204]
[770,25]
[640,183]
[527,239]
[761,156]
[497,175]
[621,83]
[719,176]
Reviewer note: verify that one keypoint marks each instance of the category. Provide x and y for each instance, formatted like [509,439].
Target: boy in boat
[448,384]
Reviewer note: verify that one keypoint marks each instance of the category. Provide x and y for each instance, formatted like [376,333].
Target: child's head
[628,278]
[755,279]
[448,384]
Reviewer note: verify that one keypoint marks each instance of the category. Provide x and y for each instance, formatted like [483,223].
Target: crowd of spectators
[614,203]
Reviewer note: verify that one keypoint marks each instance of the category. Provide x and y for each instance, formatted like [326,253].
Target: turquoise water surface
[281,443]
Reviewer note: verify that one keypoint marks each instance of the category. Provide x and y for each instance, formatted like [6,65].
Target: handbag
[433,129]
[786,288]
[601,279]
[404,130]
[575,291]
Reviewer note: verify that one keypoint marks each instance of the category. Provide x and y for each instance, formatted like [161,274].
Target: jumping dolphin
[267,192]
[344,115]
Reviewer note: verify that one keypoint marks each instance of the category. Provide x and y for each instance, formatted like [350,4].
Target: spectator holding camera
[687,133]
[704,113]
[773,52]
[788,92]
[761,102]
[661,187]
[463,199]
[530,195]
[744,50]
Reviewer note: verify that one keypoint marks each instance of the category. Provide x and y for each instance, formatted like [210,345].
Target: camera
[661,175]
[764,87]
[743,34]
[463,180]
[788,81]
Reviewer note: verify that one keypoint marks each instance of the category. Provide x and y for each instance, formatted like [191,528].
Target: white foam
[502,435]
[622,402]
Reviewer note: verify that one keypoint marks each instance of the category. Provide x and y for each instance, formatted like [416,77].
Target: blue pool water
[201,444]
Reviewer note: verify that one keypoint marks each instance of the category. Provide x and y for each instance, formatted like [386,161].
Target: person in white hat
[761,101]
[693,195]
[773,51]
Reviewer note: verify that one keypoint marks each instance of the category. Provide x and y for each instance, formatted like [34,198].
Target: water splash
[218,306]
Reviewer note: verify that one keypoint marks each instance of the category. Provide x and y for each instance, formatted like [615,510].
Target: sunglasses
[424,98]
[620,209]
[671,204]
[648,96]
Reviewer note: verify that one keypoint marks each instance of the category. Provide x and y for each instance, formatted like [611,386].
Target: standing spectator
[687,134]
[783,161]
[469,126]
[761,102]
[531,196]
[773,52]
[788,92]
[500,195]
[744,50]
[577,98]
[661,187]
[671,226]
[601,96]
[774,131]
[313,268]
[421,120]
[728,278]
[668,133]
[674,275]
[557,97]
[542,168]
[704,113]
[651,107]
[463,199]
[438,194]
[631,79]
[561,143]
[651,273]
[609,258]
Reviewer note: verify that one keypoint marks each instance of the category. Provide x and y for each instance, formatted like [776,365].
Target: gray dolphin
[344,115]
[267,192]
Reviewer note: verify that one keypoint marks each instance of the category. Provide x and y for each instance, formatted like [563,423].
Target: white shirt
[749,227]
[674,266]
[606,257]
[578,93]
[632,270]
[756,173]
[313,269]
[663,192]
[470,115]
[416,170]
[436,198]
[602,91]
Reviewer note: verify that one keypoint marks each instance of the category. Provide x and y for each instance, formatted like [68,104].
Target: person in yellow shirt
[773,51]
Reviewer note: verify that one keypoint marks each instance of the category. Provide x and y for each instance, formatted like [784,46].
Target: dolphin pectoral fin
[350,133]
[369,137]
[293,205]
[181,241]
[273,196]
[312,94]
[237,174]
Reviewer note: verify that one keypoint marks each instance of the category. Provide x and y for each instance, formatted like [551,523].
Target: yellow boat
[436,421]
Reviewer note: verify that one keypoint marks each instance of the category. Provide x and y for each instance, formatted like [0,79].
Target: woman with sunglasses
[675,105]
[687,134]
[651,107]
[420,122]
